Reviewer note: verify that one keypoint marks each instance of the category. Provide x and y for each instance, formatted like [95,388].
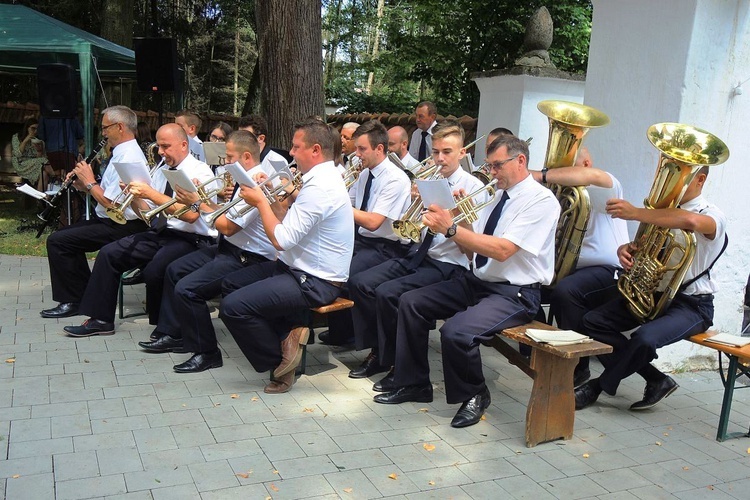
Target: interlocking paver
[99,418]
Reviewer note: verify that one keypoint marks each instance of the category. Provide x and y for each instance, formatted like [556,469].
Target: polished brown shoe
[281,384]
[291,354]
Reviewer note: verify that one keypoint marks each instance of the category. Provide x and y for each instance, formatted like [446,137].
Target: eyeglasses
[218,138]
[105,127]
[499,164]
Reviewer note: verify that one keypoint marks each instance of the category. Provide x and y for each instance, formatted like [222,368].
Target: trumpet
[277,194]
[410,226]
[148,215]
[123,200]
[352,173]
[468,210]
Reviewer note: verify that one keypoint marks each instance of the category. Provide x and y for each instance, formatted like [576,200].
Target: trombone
[277,194]
[204,196]
[123,200]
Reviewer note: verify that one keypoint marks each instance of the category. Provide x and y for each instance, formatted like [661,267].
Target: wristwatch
[90,185]
[451,232]
[195,206]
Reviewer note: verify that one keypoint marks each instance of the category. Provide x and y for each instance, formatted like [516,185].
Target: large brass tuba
[568,124]
[684,151]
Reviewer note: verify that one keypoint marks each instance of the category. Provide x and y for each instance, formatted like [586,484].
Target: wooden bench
[738,365]
[337,305]
[551,411]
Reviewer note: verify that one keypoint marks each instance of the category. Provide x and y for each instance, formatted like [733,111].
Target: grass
[19,224]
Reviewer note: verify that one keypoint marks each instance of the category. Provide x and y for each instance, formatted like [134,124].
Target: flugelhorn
[568,124]
[278,193]
[148,215]
[684,151]
[123,200]
[410,225]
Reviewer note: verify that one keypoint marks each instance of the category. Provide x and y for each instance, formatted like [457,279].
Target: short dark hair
[500,131]
[257,123]
[244,140]
[191,117]
[223,126]
[513,144]
[317,132]
[375,132]
[431,108]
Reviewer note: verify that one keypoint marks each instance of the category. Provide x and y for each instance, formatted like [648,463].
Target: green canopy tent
[29,38]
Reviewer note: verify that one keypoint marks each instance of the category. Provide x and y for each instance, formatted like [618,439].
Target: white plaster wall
[680,62]
[510,101]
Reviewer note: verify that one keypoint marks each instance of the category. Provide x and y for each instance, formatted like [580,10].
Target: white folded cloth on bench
[729,339]
[557,337]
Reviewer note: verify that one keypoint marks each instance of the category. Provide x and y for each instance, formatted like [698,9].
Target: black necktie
[423,146]
[489,228]
[421,252]
[366,196]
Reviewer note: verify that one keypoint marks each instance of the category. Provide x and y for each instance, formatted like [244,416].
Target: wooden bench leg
[550,414]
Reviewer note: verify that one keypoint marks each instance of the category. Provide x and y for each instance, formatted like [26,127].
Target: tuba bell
[569,122]
[684,150]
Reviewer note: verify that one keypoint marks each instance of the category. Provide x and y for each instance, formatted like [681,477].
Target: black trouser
[152,251]
[66,253]
[191,281]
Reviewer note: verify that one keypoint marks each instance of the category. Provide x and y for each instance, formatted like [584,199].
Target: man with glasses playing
[513,247]
[67,247]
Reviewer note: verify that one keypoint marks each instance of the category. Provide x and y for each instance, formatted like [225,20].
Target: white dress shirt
[252,237]
[416,140]
[604,234]
[445,249]
[705,250]
[317,234]
[528,219]
[126,152]
[195,170]
[390,196]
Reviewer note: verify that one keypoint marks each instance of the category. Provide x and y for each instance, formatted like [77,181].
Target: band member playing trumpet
[514,251]
[436,258]
[67,247]
[168,239]
[594,280]
[380,196]
[184,320]
[265,305]
[690,312]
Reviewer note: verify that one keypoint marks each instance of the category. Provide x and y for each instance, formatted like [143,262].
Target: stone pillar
[677,60]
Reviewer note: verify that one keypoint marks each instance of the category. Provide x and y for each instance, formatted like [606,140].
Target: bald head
[173,144]
[584,158]
[398,141]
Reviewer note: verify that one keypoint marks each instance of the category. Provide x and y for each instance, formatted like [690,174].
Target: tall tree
[290,64]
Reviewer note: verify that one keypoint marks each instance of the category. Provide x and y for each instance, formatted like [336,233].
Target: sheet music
[278,164]
[133,172]
[216,152]
[240,175]
[179,178]
[437,192]
[26,189]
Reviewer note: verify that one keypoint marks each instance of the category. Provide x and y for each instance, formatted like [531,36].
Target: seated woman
[28,156]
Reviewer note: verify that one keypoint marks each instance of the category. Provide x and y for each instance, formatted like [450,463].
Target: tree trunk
[375,45]
[118,18]
[290,64]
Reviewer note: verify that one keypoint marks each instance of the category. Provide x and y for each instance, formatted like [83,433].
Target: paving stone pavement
[98,418]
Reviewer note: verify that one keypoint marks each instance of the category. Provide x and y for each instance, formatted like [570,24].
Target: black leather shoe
[386,384]
[63,310]
[472,410]
[156,335]
[581,376]
[200,361]
[414,393]
[370,366]
[655,392]
[328,339]
[587,394]
[165,343]
[90,327]
[133,278]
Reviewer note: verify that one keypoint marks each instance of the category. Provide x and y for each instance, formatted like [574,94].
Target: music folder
[216,152]
[133,172]
[179,178]
[239,174]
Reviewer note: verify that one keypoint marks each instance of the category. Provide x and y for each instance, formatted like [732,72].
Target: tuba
[684,151]
[568,124]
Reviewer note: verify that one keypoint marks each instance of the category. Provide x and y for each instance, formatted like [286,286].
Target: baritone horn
[123,200]
[663,256]
[148,215]
[569,122]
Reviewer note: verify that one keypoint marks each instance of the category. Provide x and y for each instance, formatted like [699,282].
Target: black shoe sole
[58,316]
[91,334]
